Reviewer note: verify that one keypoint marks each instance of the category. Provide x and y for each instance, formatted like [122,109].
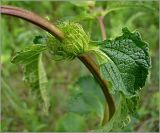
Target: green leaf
[43,84]
[34,73]
[86,98]
[121,117]
[31,76]
[125,62]
[71,122]
[28,55]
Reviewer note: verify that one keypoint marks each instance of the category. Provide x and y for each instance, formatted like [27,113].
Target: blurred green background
[21,110]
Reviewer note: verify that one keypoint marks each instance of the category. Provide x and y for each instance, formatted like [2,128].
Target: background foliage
[22,109]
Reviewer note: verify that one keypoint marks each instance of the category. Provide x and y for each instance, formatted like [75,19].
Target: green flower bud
[75,42]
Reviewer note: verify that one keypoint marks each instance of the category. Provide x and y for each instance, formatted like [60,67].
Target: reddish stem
[102,27]
[91,65]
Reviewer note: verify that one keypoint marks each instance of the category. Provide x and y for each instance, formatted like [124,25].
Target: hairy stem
[44,24]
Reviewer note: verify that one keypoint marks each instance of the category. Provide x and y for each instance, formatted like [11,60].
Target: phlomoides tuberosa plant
[121,69]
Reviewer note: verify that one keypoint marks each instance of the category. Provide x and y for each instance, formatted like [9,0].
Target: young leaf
[35,76]
[34,73]
[75,42]
[28,54]
[125,62]
[42,78]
